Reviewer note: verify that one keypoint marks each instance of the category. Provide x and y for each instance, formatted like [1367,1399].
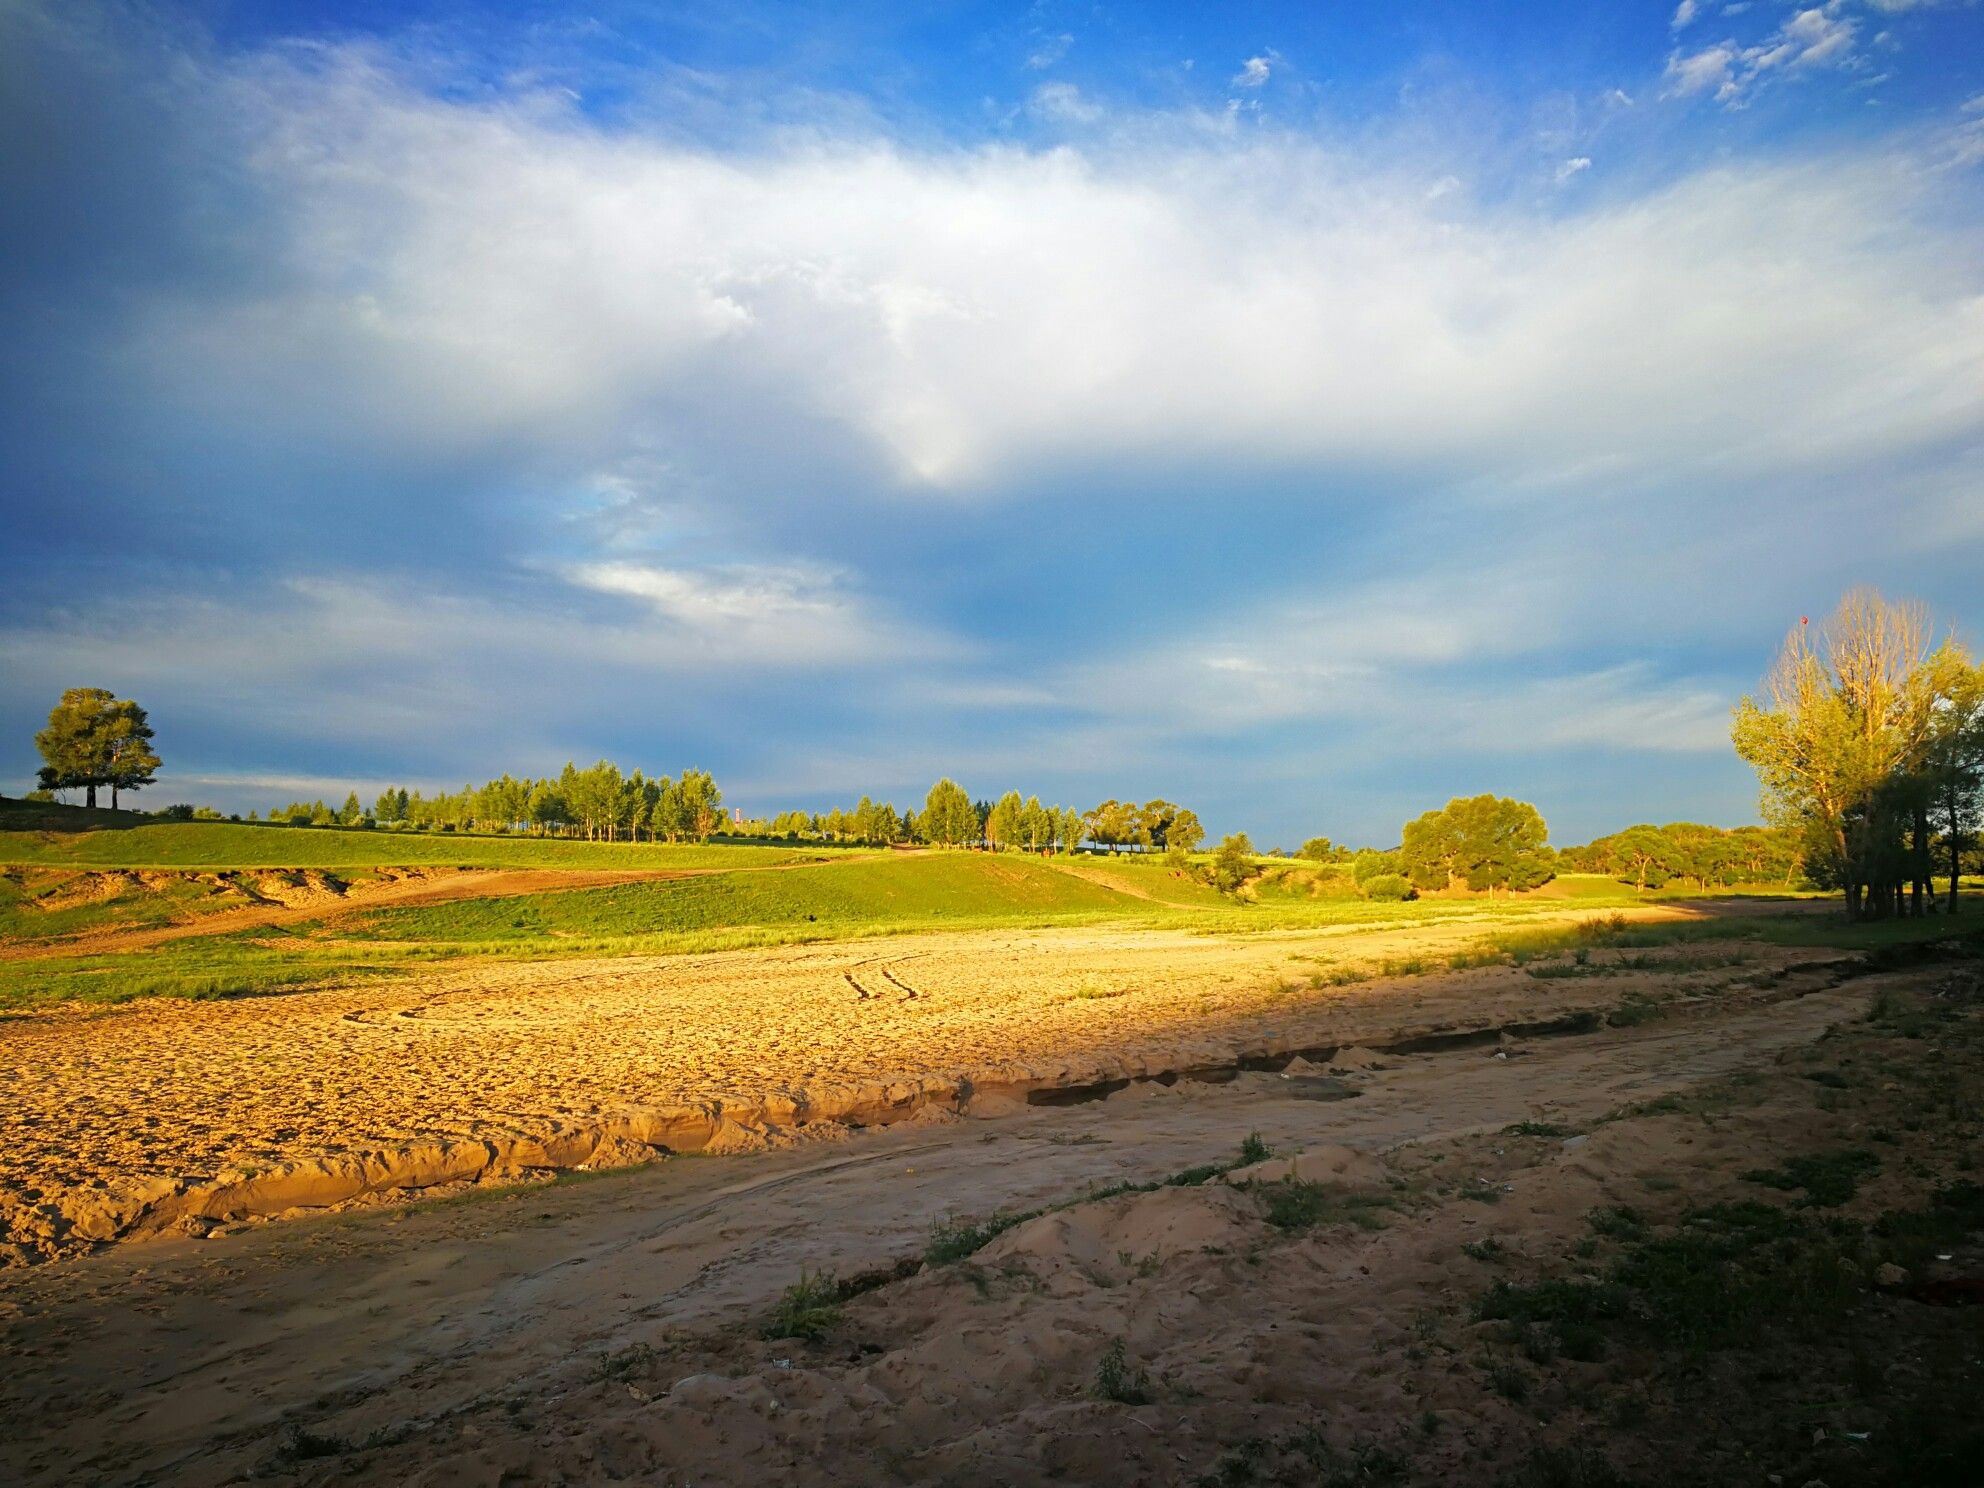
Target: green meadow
[740,896]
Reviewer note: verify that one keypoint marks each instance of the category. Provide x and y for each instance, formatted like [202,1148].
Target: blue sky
[1306,412]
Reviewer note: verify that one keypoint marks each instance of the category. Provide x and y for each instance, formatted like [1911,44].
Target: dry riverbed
[167,1117]
[1727,1242]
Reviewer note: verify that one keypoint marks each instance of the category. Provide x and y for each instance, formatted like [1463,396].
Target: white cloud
[1050,50]
[1684,13]
[1255,72]
[1814,37]
[1063,103]
[1573,167]
[1411,665]
[378,661]
[964,314]
[750,615]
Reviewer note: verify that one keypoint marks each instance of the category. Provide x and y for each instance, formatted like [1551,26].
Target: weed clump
[806,1309]
[1118,1380]
[1829,1179]
[1294,1205]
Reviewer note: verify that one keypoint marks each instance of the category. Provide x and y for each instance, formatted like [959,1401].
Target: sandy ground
[166,1116]
[602,1331]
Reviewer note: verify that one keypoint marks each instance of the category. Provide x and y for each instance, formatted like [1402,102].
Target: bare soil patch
[173,1117]
[1208,1330]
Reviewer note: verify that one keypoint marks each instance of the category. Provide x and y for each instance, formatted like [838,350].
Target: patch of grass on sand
[1118,1380]
[1294,1205]
[807,1308]
[1829,1179]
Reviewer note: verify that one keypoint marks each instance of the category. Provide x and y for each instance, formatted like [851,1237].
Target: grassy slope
[859,894]
[241,845]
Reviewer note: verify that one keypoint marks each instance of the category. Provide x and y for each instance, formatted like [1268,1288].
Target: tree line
[1868,741]
[951,818]
[1650,857]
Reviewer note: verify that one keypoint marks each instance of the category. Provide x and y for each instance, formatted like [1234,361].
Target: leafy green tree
[1646,857]
[1319,850]
[1070,831]
[133,762]
[1002,822]
[1233,863]
[700,803]
[1956,770]
[1843,743]
[948,818]
[1488,842]
[1368,863]
[352,813]
[94,739]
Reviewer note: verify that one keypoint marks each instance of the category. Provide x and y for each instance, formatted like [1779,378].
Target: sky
[1306,412]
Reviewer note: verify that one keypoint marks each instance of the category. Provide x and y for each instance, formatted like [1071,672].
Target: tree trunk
[90,800]
[1956,855]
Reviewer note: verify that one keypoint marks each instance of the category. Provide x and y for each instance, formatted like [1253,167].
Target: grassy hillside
[204,844]
[856,894]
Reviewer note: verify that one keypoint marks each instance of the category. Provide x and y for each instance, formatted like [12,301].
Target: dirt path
[185,1361]
[166,1114]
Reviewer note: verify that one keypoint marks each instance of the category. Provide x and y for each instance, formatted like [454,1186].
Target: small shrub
[1537,1129]
[1294,1205]
[952,1239]
[1116,1379]
[1389,888]
[1828,1178]
[1253,1150]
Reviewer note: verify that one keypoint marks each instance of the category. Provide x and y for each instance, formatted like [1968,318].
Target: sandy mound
[1102,1243]
[1326,1164]
[1351,1060]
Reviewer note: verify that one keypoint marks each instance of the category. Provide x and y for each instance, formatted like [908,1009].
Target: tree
[1956,769]
[352,813]
[1233,863]
[1645,856]
[1843,740]
[1002,822]
[1319,850]
[94,739]
[1487,842]
[133,761]
[699,802]
[948,818]
[1070,830]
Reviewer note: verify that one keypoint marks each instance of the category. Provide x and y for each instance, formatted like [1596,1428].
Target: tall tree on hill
[948,818]
[94,739]
[133,762]
[1002,822]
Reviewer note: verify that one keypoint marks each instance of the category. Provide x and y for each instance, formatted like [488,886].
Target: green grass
[24,893]
[891,891]
[1295,1205]
[201,844]
[198,968]
[806,1309]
